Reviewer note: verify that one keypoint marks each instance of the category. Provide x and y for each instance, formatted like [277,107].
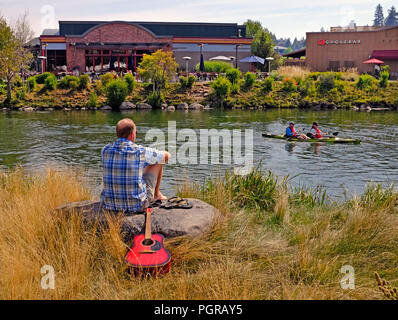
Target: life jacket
[294,133]
[318,133]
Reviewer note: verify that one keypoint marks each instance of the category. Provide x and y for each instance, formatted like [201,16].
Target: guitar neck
[148,233]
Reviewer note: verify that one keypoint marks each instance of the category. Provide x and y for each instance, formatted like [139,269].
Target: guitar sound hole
[147,242]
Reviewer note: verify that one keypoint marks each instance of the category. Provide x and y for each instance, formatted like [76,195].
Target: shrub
[233,75]
[384,76]
[155,99]
[235,88]
[340,85]
[267,85]
[129,78]
[313,76]
[20,94]
[84,81]
[116,93]
[307,88]
[99,87]
[187,82]
[50,83]
[221,88]
[250,78]
[365,82]
[40,78]
[64,83]
[326,82]
[17,83]
[74,85]
[31,84]
[289,85]
[107,78]
[215,66]
[93,101]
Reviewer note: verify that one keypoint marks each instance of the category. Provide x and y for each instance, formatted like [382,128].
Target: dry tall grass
[291,251]
[294,72]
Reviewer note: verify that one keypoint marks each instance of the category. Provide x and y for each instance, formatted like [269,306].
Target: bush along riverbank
[272,242]
[289,87]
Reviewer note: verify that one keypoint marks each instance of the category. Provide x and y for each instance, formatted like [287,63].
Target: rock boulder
[168,222]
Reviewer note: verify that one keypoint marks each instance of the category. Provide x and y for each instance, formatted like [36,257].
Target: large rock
[169,222]
[144,106]
[182,106]
[196,106]
[127,106]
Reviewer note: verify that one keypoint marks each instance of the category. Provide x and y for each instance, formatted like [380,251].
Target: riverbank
[272,243]
[308,90]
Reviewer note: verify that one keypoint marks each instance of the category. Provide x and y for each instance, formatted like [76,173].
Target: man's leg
[157,171]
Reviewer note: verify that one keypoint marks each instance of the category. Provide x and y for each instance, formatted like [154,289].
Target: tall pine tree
[391,19]
[379,16]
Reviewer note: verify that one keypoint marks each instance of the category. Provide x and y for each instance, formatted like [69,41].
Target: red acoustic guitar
[147,254]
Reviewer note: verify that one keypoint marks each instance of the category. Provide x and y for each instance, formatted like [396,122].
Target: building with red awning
[343,48]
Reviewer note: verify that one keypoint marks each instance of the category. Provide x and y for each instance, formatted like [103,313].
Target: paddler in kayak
[315,133]
[291,133]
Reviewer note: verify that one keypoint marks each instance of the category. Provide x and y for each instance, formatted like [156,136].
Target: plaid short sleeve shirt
[123,166]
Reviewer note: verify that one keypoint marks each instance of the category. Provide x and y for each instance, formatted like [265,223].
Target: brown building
[98,46]
[347,48]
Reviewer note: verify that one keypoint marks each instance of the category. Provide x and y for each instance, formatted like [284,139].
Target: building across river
[99,46]
[349,48]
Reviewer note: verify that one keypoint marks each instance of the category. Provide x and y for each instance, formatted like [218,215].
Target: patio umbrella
[253,59]
[221,58]
[112,63]
[373,61]
[202,63]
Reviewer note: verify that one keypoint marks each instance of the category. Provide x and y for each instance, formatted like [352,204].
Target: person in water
[315,133]
[291,133]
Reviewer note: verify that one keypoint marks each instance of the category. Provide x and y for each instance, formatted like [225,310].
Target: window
[334,65]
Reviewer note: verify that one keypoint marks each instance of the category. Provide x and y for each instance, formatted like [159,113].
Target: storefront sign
[327,42]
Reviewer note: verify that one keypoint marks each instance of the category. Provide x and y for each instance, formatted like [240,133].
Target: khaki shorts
[150,183]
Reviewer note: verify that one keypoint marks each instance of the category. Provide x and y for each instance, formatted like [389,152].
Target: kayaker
[315,133]
[291,133]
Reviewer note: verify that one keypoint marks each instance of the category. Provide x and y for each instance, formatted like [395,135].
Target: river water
[75,138]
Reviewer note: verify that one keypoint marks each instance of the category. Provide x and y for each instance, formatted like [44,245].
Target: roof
[50,32]
[296,54]
[176,29]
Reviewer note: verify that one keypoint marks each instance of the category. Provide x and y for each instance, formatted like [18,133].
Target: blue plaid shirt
[123,166]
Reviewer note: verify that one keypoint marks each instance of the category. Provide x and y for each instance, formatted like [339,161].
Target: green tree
[13,56]
[158,67]
[252,27]
[379,16]
[391,19]
[263,41]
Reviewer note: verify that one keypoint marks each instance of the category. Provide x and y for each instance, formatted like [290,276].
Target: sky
[285,18]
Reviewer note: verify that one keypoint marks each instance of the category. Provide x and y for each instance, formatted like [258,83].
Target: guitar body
[148,255]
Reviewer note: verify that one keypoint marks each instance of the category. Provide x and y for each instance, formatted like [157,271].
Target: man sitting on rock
[131,173]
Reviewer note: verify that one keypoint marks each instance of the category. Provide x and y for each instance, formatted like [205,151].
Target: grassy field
[273,242]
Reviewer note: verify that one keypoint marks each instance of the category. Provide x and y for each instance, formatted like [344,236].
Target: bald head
[125,128]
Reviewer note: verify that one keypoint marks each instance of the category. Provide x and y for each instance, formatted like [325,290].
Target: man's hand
[167,156]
